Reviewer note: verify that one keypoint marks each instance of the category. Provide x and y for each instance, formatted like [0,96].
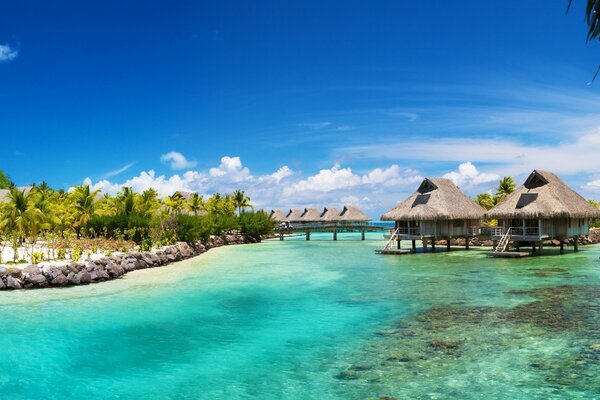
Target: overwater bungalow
[437,210]
[310,215]
[352,215]
[294,215]
[277,215]
[543,208]
[330,214]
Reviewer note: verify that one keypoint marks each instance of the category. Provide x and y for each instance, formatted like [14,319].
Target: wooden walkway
[334,228]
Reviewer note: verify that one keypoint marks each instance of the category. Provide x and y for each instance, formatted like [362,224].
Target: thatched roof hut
[353,214]
[436,199]
[294,215]
[311,215]
[330,214]
[543,195]
[277,215]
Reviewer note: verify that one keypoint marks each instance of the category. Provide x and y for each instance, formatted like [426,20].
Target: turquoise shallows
[313,320]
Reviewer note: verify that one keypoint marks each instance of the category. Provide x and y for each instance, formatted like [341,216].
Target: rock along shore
[73,273]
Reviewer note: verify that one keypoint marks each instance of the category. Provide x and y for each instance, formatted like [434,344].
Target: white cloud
[593,185]
[468,175]
[326,180]
[7,53]
[231,168]
[373,190]
[278,175]
[119,171]
[573,155]
[177,160]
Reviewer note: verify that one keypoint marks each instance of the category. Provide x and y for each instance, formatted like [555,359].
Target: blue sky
[298,103]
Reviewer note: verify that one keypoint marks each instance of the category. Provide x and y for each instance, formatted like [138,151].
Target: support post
[466,243]
[424,245]
[335,234]
[448,244]
[562,247]
[541,247]
[362,234]
[576,244]
[281,236]
[307,235]
[414,246]
[433,245]
[533,248]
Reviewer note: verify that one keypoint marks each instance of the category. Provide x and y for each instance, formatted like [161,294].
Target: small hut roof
[352,213]
[311,215]
[294,215]
[543,195]
[435,199]
[330,214]
[277,215]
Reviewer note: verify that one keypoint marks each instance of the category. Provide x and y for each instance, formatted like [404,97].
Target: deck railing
[412,231]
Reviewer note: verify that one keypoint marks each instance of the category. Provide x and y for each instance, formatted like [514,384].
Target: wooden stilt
[433,245]
[334,234]
[448,244]
[576,244]
[541,247]
[533,248]
[362,235]
[466,243]
[281,236]
[414,246]
[307,235]
[562,247]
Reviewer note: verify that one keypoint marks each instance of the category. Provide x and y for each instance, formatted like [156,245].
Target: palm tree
[506,186]
[485,200]
[241,201]
[84,202]
[148,202]
[21,217]
[126,198]
[5,182]
[195,203]
[175,203]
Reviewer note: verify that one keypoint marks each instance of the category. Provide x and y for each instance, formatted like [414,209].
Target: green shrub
[256,224]
[191,228]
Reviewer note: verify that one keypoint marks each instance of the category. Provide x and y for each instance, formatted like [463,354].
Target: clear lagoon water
[313,320]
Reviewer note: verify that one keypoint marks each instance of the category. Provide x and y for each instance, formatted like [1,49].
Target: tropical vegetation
[39,222]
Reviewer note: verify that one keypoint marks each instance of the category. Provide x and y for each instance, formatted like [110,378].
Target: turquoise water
[313,320]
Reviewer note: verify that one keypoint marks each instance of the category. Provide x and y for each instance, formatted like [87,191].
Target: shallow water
[313,320]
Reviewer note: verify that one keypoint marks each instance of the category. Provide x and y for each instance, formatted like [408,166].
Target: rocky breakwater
[106,268]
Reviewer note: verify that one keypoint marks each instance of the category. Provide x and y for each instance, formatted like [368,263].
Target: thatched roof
[352,213]
[330,214]
[311,215]
[294,215]
[543,195]
[277,215]
[435,199]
